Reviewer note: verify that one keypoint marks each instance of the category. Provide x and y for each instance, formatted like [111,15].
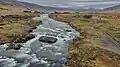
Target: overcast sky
[76,3]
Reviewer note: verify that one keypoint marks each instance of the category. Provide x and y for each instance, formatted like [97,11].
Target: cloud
[76,3]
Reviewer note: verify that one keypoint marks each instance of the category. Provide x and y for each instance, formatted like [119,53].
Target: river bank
[15,23]
[17,29]
[90,50]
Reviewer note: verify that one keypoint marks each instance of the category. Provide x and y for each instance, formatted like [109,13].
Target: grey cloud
[76,3]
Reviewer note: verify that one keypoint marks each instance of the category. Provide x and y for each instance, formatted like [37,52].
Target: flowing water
[35,53]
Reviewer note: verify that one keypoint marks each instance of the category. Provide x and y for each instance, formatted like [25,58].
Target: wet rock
[34,27]
[2,43]
[30,30]
[23,39]
[14,46]
[68,30]
[29,36]
[47,39]
[19,40]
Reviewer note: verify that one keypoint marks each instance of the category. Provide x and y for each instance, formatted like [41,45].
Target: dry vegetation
[14,22]
[88,51]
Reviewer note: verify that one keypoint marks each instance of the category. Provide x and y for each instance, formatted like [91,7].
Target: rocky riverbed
[35,53]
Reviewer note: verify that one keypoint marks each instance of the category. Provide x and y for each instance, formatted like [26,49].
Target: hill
[117,7]
[48,8]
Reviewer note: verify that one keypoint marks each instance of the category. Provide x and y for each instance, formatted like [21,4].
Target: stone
[29,36]
[23,39]
[14,46]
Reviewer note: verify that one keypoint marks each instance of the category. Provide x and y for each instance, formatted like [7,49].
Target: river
[35,53]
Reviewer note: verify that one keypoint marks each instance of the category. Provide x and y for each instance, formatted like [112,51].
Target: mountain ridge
[48,8]
[113,8]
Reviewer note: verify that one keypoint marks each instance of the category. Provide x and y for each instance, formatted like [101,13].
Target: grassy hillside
[14,22]
[95,48]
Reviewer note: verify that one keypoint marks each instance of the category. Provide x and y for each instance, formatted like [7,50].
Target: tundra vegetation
[15,23]
[95,48]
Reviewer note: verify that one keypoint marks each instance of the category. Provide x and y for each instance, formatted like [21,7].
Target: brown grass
[87,52]
[12,27]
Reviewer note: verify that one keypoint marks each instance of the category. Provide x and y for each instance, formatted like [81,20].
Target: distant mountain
[9,2]
[113,8]
[48,8]
[35,6]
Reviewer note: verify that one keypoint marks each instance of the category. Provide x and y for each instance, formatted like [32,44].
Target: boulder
[29,36]
[14,46]
[23,39]
[20,40]
[34,28]
[30,30]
